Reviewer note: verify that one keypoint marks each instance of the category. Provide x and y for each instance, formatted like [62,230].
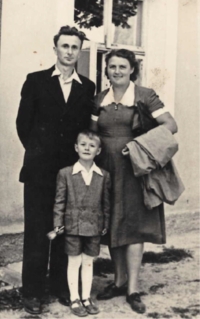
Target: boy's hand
[104,231]
[57,231]
[51,235]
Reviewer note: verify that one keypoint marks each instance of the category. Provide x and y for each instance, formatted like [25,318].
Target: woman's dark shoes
[90,306]
[77,308]
[32,305]
[136,304]
[112,291]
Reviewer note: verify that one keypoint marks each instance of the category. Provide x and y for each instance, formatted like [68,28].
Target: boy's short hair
[90,134]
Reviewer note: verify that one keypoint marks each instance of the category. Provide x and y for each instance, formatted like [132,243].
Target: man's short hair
[67,30]
[90,134]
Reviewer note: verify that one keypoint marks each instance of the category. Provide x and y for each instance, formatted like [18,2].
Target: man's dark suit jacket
[48,127]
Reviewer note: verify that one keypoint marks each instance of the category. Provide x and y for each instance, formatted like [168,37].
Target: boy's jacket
[83,210]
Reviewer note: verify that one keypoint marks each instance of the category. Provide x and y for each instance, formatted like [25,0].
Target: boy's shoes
[112,291]
[78,308]
[90,306]
[32,305]
[136,303]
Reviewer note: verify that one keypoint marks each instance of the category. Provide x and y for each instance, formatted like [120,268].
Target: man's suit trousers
[38,208]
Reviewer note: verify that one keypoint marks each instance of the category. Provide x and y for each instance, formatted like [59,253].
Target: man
[55,105]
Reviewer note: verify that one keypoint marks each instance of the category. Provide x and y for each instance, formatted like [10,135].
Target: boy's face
[87,148]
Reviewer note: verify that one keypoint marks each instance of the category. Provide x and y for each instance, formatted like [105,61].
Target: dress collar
[72,77]
[80,168]
[127,99]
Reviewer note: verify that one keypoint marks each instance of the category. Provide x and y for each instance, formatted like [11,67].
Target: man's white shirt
[66,85]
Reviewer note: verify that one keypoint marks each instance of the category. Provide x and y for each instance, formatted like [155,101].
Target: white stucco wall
[171,68]
[187,102]
[171,45]
[27,34]
[160,42]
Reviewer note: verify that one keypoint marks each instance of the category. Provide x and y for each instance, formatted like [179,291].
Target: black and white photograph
[99,149]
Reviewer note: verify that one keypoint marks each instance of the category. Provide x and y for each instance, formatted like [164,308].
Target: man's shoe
[63,297]
[136,304]
[90,306]
[112,291]
[77,308]
[32,305]
[64,300]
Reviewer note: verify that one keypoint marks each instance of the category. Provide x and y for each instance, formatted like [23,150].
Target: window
[107,37]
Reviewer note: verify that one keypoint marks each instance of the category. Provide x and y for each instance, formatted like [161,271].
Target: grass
[167,255]
[105,266]
[11,245]
[11,299]
[187,313]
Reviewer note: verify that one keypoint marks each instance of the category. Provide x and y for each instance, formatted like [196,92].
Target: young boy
[82,205]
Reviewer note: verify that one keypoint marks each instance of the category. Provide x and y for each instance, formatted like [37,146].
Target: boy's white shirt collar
[80,168]
[74,75]
[127,99]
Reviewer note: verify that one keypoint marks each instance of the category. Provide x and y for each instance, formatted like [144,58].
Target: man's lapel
[54,88]
[75,95]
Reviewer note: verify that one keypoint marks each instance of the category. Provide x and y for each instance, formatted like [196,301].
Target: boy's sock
[86,276]
[74,263]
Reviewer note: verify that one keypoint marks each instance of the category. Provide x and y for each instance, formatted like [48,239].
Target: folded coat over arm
[150,156]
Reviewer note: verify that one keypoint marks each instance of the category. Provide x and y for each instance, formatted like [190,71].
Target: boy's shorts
[76,245]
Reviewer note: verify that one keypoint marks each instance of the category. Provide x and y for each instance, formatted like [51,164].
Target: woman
[131,222]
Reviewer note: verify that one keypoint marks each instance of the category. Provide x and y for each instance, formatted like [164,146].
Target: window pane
[132,35]
[89,19]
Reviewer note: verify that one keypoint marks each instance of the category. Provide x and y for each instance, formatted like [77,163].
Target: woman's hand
[125,151]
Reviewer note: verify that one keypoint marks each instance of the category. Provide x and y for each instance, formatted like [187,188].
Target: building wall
[160,41]
[187,103]
[0,19]
[171,68]
[27,34]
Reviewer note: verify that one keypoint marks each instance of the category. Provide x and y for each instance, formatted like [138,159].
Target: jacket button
[61,135]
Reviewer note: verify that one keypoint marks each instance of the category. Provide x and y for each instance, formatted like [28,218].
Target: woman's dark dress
[131,221]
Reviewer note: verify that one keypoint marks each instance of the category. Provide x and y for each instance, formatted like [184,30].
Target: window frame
[105,47]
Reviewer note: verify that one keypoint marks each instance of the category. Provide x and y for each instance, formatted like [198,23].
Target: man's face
[68,49]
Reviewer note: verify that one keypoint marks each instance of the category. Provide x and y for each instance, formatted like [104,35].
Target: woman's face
[119,71]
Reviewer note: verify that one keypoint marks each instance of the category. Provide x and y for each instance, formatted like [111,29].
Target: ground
[169,277]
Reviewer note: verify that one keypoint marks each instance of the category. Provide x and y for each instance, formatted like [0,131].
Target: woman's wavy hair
[125,54]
